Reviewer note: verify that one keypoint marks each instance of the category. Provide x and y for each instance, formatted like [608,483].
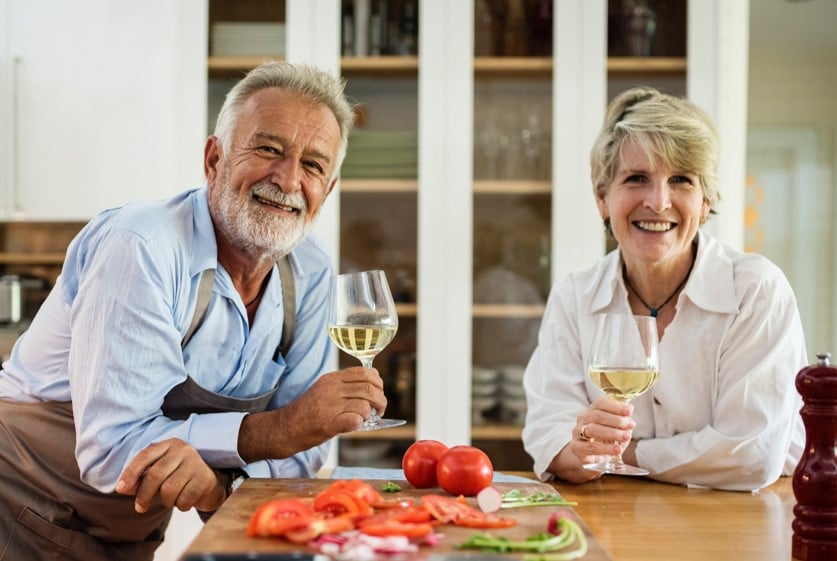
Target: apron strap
[286,277]
[289,306]
[204,294]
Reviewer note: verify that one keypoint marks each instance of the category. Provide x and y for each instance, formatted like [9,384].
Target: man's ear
[211,157]
[331,187]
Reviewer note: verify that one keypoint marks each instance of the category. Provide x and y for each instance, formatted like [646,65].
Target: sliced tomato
[485,521]
[458,512]
[413,515]
[274,517]
[396,503]
[441,508]
[338,502]
[396,528]
[317,527]
[363,493]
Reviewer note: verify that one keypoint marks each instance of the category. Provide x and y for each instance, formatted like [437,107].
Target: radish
[490,499]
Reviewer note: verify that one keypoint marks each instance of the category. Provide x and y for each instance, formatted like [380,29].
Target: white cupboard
[101,102]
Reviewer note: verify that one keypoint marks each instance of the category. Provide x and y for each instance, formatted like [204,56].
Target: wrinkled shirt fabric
[724,412]
[108,339]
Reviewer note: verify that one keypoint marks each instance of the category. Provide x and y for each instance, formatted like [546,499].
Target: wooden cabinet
[98,105]
[467,181]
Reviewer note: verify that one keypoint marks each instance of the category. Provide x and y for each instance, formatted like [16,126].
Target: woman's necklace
[655,310]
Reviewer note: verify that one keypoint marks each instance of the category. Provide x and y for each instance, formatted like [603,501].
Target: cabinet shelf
[483,66]
[496,432]
[508,310]
[236,64]
[45,258]
[406,310]
[404,432]
[646,65]
[408,432]
[512,66]
[481,186]
[512,187]
[389,65]
[379,185]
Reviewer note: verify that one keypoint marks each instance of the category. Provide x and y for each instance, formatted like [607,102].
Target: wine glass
[362,321]
[624,363]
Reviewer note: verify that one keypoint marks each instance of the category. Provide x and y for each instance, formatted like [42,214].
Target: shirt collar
[205,247]
[711,285]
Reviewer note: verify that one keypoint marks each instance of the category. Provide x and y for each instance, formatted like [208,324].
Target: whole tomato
[419,462]
[464,470]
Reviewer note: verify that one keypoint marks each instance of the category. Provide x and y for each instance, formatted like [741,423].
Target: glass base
[616,468]
[379,423]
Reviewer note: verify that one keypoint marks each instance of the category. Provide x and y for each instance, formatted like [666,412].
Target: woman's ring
[582,435]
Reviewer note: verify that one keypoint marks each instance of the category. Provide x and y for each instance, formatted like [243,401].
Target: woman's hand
[172,472]
[604,429]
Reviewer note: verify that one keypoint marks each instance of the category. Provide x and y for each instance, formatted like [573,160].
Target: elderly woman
[724,412]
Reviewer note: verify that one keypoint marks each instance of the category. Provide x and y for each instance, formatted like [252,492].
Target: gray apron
[48,513]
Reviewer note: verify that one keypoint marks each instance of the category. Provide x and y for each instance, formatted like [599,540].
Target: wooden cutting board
[225,531]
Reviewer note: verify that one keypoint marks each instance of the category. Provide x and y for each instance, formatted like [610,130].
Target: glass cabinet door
[378,198]
[512,220]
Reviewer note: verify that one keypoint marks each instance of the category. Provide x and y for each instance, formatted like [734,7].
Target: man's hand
[172,472]
[336,403]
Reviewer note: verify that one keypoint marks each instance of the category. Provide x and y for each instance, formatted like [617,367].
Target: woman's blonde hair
[666,127]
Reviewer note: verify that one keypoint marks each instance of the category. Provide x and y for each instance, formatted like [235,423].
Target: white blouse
[724,412]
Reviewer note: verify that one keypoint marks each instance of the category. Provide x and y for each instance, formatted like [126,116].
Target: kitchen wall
[792,116]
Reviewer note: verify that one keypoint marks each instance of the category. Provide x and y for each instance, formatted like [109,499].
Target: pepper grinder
[815,478]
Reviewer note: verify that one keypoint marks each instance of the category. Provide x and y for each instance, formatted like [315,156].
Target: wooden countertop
[627,519]
[638,519]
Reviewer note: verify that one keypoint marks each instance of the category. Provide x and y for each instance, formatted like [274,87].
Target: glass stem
[616,462]
[366,362]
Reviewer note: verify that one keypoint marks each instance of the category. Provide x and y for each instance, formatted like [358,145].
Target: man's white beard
[256,231]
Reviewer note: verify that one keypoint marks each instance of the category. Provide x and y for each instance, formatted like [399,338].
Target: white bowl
[483,403]
[512,389]
[514,417]
[484,390]
[480,375]
[480,405]
[516,404]
[513,373]
[514,410]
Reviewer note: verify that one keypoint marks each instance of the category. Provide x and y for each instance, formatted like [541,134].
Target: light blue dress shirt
[108,338]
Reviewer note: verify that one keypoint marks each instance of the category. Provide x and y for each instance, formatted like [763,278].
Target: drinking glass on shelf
[624,363]
[362,321]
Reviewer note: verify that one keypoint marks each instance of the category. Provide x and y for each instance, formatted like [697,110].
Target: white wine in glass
[624,363]
[362,321]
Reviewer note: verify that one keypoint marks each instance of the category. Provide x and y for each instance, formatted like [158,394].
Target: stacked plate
[512,394]
[242,38]
[485,385]
[381,155]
